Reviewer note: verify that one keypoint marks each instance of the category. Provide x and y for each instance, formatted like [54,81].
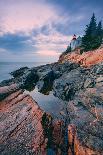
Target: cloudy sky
[39,30]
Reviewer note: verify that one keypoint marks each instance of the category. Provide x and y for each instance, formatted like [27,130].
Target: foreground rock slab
[26,129]
[21,131]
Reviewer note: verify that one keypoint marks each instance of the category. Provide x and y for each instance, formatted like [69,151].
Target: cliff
[83,88]
[85,59]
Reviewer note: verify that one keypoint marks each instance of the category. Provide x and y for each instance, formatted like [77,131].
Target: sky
[40,30]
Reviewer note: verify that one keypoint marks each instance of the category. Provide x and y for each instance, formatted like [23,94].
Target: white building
[76,42]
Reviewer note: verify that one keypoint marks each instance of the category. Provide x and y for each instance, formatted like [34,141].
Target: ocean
[7,67]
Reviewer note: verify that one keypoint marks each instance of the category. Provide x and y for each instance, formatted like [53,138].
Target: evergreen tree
[99,33]
[89,40]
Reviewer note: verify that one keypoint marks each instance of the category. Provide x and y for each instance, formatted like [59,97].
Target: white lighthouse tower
[73,42]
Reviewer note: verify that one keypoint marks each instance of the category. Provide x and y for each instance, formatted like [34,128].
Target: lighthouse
[75,42]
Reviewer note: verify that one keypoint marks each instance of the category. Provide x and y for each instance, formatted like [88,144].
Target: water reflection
[48,103]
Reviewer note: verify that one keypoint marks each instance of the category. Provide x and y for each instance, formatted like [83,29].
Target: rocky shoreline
[80,132]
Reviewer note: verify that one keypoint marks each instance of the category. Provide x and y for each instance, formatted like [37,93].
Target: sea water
[7,67]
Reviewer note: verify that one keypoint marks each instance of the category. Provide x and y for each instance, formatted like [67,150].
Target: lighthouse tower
[73,42]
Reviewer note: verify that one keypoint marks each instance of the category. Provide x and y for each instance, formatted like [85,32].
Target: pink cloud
[54,42]
[48,53]
[23,16]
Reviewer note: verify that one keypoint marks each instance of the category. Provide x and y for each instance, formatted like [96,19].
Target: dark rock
[66,86]
[7,90]
[29,80]
[64,67]
[47,74]
[7,82]
[89,83]
[46,81]
[19,72]
[44,75]
[97,69]
[47,123]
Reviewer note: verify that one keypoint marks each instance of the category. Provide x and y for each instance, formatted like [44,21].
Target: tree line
[93,36]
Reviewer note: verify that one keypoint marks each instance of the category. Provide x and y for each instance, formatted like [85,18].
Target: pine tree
[99,33]
[89,40]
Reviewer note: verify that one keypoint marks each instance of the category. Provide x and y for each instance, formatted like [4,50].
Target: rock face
[70,82]
[75,147]
[7,90]
[27,129]
[86,115]
[86,59]
[77,79]
[19,72]
[83,88]
[22,130]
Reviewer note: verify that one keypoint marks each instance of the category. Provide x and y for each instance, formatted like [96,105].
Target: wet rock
[29,80]
[46,81]
[19,72]
[54,132]
[47,123]
[44,75]
[47,75]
